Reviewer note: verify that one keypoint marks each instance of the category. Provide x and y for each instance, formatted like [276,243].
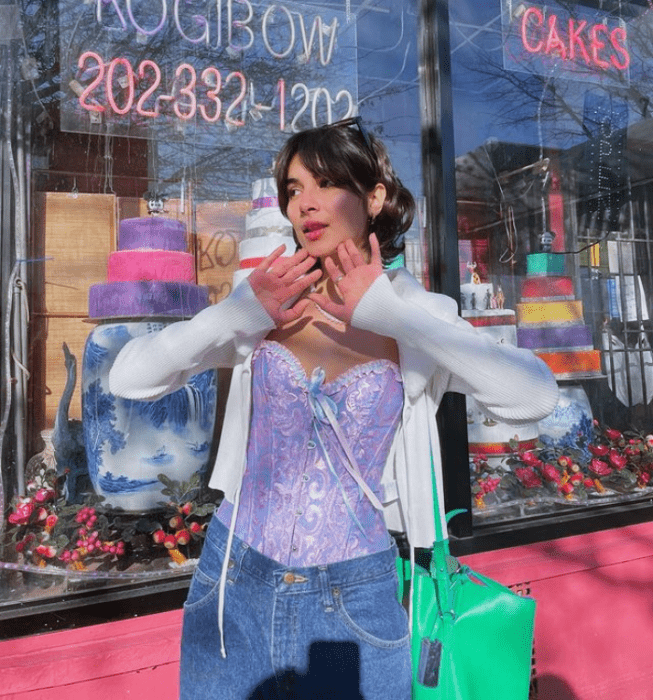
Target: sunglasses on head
[356,122]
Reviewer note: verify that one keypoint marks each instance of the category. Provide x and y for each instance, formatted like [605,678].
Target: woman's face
[324,215]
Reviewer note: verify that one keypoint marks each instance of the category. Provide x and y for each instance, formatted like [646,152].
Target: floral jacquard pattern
[293,507]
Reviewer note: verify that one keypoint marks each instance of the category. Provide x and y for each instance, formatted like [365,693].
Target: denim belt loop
[325,587]
[235,564]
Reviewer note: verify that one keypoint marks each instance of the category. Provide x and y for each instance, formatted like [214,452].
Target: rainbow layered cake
[266,228]
[151,274]
[550,320]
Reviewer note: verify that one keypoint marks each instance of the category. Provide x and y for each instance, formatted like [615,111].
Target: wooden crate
[74,234]
[78,236]
[219,227]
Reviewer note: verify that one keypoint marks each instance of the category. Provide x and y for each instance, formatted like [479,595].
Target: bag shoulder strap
[440,556]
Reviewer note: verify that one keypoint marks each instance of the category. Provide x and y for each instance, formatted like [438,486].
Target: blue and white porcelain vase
[129,443]
[570,423]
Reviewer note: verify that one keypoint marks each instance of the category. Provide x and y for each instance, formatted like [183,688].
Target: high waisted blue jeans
[332,631]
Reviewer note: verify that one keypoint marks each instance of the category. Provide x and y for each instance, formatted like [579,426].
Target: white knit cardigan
[438,352]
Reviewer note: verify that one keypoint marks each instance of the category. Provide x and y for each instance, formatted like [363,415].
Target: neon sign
[590,47]
[185,101]
[210,70]
[226,13]
[594,44]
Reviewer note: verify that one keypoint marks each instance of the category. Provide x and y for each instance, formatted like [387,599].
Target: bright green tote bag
[472,638]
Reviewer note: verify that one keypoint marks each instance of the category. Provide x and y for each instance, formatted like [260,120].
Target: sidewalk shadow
[550,687]
[333,674]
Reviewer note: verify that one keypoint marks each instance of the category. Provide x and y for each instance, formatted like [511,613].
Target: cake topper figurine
[500,298]
[546,240]
[475,277]
[155,201]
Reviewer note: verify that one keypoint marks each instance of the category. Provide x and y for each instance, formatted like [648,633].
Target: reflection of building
[575,162]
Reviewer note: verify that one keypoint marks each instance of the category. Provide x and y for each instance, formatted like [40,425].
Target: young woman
[338,370]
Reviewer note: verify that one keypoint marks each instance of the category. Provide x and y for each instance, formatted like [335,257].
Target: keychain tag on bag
[428,671]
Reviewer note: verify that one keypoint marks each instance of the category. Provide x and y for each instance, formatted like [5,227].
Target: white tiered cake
[482,307]
[266,228]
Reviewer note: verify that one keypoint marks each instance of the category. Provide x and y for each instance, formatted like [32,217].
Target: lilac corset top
[299,503]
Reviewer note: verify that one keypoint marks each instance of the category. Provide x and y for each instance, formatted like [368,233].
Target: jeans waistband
[304,578]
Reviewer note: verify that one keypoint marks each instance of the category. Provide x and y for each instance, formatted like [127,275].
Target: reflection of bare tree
[387,62]
[584,121]
[589,163]
[553,99]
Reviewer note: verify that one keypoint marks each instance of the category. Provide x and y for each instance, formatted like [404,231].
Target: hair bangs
[327,155]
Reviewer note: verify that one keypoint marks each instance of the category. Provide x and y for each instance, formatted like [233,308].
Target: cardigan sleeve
[158,363]
[512,384]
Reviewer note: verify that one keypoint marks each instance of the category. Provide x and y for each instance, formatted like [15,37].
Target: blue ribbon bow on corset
[325,412]
[316,397]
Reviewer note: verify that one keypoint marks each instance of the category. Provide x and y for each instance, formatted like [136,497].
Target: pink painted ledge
[568,555]
[110,660]
[139,658]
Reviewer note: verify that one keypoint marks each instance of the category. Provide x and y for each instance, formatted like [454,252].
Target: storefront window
[553,140]
[136,189]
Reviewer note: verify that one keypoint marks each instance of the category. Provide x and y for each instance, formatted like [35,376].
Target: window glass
[552,140]
[137,190]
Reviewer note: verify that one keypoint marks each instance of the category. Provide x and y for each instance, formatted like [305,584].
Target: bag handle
[440,555]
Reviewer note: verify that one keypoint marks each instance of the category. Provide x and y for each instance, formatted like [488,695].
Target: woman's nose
[307,201]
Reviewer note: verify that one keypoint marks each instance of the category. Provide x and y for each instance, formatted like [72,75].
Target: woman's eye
[292,192]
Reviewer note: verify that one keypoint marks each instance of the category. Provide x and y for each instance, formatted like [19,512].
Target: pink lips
[313,230]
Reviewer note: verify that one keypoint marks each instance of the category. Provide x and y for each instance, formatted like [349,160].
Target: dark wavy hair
[342,155]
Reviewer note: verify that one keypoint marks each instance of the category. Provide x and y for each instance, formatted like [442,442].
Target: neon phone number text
[209,95]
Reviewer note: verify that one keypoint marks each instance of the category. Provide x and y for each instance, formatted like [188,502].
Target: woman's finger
[298,268]
[281,266]
[355,254]
[345,257]
[294,312]
[375,249]
[303,283]
[267,262]
[332,270]
[331,307]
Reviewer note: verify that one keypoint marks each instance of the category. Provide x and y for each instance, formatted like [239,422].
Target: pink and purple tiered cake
[150,275]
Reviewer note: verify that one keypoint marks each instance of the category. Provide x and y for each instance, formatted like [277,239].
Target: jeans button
[231,564]
[289,577]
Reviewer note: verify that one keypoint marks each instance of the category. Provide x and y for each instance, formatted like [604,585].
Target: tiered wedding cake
[266,228]
[151,284]
[483,308]
[151,274]
[550,320]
